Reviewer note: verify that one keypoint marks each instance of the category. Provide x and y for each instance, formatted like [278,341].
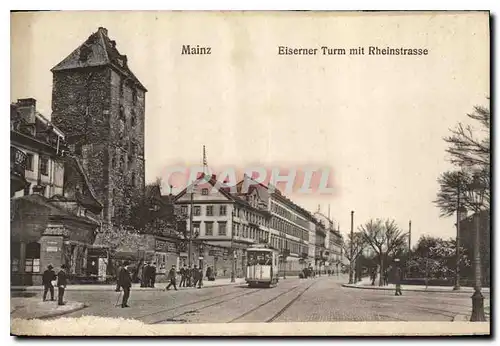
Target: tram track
[197,309]
[281,311]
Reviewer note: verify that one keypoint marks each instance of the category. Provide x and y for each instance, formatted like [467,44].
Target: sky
[377,122]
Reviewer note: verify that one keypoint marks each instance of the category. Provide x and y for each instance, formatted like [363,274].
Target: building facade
[54,212]
[224,225]
[99,104]
[37,145]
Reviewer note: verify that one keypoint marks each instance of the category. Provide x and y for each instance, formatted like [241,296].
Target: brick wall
[98,104]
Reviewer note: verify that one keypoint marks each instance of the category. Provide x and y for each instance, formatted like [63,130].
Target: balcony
[17,170]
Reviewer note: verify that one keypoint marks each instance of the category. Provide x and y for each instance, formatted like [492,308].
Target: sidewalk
[466,317]
[29,308]
[366,284]
[135,287]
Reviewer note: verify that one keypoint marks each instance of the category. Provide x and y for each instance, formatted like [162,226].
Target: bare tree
[466,147]
[469,148]
[358,244]
[385,238]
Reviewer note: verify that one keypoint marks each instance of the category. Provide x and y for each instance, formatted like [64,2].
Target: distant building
[224,225]
[54,211]
[289,226]
[99,104]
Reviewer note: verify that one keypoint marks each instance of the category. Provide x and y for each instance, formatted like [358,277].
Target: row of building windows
[283,243]
[209,228]
[211,210]
[289,228]
[249,232]
[277,209]
[250,216]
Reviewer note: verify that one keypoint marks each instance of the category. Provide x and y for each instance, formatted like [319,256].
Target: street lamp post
[351,248]
[476,192]
[461,214]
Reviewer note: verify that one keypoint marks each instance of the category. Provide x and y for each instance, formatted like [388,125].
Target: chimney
[103,30]
[27,108]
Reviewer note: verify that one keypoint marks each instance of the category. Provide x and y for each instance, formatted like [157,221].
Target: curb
[112,289]
[404,289]
[461,318]
[78,307]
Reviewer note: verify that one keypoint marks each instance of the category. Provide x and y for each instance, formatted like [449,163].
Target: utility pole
[409,245]
[457,243]
[352,249]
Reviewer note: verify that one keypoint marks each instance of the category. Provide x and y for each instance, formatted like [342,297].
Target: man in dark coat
[152,275]
[182,271]
[194,275]
[125,282]
[397,277]
[145,275]
[171,277]
[118,269]
[48,276]
[210,274]
[62,281]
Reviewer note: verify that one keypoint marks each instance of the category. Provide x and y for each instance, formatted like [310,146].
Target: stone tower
[99,104]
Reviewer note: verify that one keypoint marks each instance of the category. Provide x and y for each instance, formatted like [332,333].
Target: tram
[262,266]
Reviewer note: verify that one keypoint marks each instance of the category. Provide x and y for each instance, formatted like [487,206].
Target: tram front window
[260,258]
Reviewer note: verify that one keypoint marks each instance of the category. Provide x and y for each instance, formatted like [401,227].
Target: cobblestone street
[312,300]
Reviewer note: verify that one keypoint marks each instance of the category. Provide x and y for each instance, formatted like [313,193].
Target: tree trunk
[381,275]
[350,273]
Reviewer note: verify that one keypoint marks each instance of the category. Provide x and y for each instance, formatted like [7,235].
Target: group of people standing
[148,276]
[397,276]
[48,277]
[190,277]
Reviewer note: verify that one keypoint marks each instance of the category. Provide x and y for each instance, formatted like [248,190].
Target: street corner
[34,308]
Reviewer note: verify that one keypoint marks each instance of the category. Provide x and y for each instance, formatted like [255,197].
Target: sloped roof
[99,50]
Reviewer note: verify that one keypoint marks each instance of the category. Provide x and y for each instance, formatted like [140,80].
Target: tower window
[133,120]
[134,96]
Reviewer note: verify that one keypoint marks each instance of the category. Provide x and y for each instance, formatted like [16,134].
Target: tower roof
[98,50]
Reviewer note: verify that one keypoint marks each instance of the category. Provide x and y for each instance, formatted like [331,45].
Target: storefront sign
[160,246]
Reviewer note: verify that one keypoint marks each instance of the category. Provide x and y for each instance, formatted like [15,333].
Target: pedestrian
[145,275]
[61,284]
[194,275]
[397,278]
[152,275]
[182,271]
[329,272]
[373,275]
[386,277]
[209,274]
[48,276]
[189,274]
[118,269]
[125,282]
[200,277]
[171,277]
